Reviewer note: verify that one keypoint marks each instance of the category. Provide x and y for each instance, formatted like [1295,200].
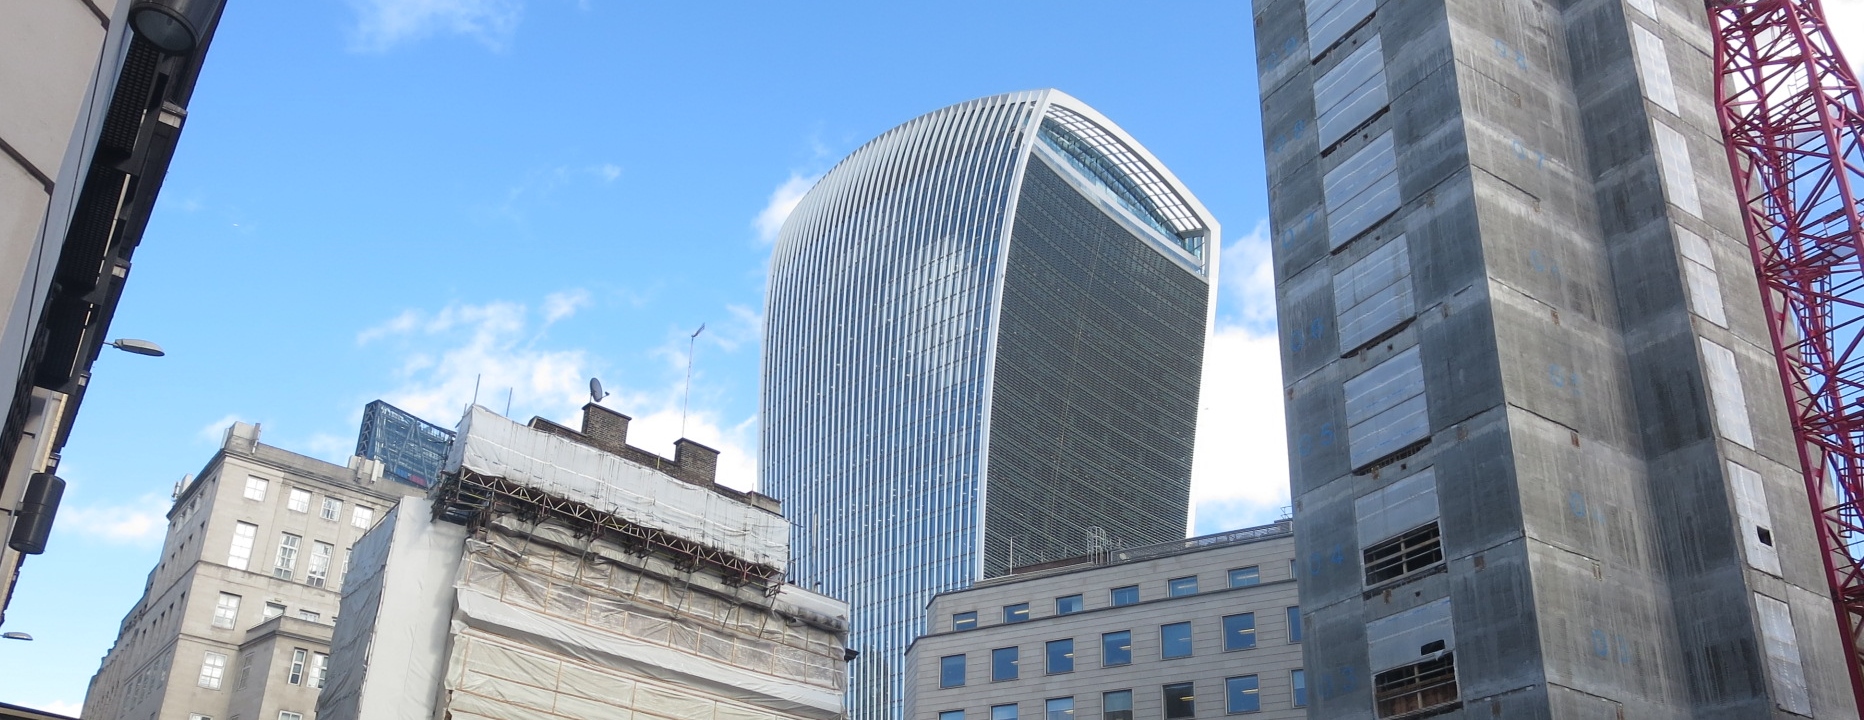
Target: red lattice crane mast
[1790,114]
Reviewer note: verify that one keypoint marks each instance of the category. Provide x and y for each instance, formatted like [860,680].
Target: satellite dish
[595,390]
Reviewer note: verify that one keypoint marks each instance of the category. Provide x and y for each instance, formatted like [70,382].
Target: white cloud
[657,422]
[142,522]
[382,24]
[560,305]
[1846,19]
[783,200]
[608,171]
[487,346]
[215,432]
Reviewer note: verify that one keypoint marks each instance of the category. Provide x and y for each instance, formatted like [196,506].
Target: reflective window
[1060,656]
[332,508]
[213,668]
[1245,576]
[240,553]
[1016,613]
[362,516]
[1067,604]
[951,715]
[1175,640]
[1179,587]
[1294,624]
[287,559]
[255,488]
[295,673]
[1180,701]
[1241,694]
[1125,595]
[1060,708]
[1116,648]
[1003,664]
[1003,712]
[1299,680]
[298,500]
[226,611]
[951,671]
[964,620]
[1239,632]
[1116,705]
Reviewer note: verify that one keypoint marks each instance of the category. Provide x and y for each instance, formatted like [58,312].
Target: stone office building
[1198,628]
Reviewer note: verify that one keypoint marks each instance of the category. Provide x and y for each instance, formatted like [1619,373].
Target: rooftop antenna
[595,390]
[688,400]
[508,393]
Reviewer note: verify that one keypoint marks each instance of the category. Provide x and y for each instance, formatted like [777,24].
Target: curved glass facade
[978,353]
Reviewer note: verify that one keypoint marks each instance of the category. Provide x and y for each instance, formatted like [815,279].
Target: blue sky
[393,198]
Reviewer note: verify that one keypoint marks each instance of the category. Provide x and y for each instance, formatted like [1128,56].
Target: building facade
[983,340]
[1205,627]
[235,621]
[91,109]
[410,449]
[1539,454]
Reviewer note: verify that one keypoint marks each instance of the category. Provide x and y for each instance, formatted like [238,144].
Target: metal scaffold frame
[1790,114]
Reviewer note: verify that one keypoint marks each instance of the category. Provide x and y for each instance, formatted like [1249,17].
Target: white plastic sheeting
[1725,393]
[1330,20]
[1400,639]
[490,444]
[1397,508]
[1386,408]
[1679,174]
[1653,68]
[1374,294]
[1785,669]
[1363,190]
[1351,92]
[1752,515]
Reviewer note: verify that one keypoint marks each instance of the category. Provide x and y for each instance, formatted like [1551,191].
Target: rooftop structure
[410,449]
[984,341]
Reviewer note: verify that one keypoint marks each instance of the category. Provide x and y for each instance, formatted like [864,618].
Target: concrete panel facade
[1604,426]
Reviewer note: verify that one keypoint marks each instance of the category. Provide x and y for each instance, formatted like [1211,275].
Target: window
[226,611]
[289,715]
[951,715]
[287,560]
[1067,604]
[213,667]
[1400,556]
[255,488]
[295,675]
[1407,688]
[1175,640]
[1016,613]
[245,670]
[1003,712]
[310,615]
[1061,656]
[964,621]
[320,667]
[1060,708]
[332,509]
[1180,702]
[1294,624]
[1298,680]
[1116,705]
[320,563]
[1245,576]
[198,716]
[362,516]
[951,671]
[1239,632]
[1003,664]
[1125,595]
[241,552]
[299,501]
[1116,648]
[1241,695]
[1180,587]
[273,610]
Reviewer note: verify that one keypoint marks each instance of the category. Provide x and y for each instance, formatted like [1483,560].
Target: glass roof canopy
[1101,156]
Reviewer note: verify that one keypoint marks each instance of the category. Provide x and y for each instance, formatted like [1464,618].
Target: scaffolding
[410,449]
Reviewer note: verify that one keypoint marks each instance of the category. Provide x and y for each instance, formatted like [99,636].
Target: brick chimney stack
[606,429]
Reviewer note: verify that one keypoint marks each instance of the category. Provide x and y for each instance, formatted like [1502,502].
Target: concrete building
[559,573]
[1205,627]
[235,621]
[1539,454]
[93,96]
[984,339]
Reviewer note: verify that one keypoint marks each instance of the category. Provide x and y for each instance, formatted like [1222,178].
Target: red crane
[1790,115]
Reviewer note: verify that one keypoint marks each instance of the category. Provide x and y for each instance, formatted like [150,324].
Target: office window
[1245,576]
[213,668]
[1060,708]
[1061,656]
[1294,624]
[298,500]
[320,667]
[1125,595]
[320,563]
[287,560]
[1241,694]
[951,671]
[273,610]
[309,615]
[1179,587]
[1298,679]
[951,715]
[1116,705]
[226,611]
[289,715]
[1180,702]
[1116,648]
[964,621]
[1067,604]
[1016,613]
[1003,664]
[362,516]
[333,508]
[295,675]
[1175,640]
[1239,632]
[255,488]
[240,554]
[1003,712]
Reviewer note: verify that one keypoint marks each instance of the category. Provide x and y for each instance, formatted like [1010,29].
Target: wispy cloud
[215,432]
[383,24]
[140,523]
[447,354]
[783,200]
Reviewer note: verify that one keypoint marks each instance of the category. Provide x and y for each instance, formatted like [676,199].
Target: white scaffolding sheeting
[491,445]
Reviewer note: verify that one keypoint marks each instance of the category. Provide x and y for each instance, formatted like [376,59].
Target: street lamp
[16,636]
[139,347]
[175,26]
